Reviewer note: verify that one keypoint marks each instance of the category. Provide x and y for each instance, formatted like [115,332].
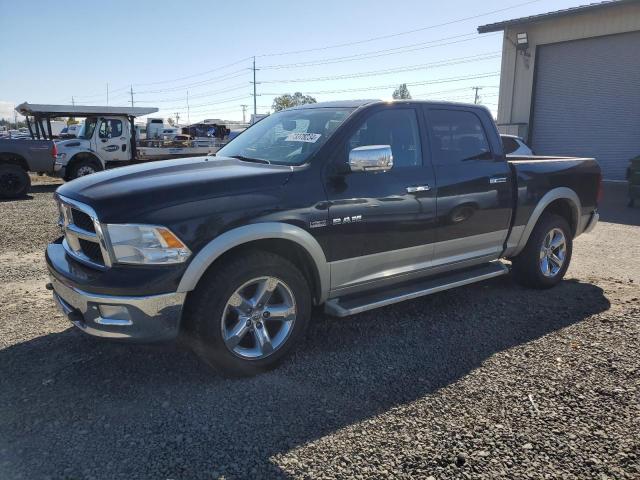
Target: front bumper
[147,319]
[133,306]
[59,169]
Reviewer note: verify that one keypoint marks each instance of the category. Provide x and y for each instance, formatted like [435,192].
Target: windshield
[288,137]
[88,128]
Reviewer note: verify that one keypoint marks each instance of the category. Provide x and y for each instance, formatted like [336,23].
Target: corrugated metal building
[570,82]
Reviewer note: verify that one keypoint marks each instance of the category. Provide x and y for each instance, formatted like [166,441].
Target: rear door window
[457,136]
[509,144]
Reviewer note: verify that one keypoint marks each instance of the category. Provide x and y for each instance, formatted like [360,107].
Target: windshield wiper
[249,159]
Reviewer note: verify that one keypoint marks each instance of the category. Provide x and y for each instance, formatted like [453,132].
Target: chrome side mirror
[371,158]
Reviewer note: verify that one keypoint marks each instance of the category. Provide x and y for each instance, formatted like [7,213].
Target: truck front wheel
[248,314]
[83,167]
[546,257]
[14,181]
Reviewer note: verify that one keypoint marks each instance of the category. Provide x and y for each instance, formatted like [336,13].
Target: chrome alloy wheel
[258,318]
[553,253]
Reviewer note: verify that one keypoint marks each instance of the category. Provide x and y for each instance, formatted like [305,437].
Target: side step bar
[358,303]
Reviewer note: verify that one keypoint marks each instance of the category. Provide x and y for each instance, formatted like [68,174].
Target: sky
[61,51]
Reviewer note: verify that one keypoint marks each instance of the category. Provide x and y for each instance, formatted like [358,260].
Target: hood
[72,143]
[160,184]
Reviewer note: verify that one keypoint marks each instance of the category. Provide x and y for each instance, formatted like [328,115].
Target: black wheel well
[563,208]
[14,159]
[288,249]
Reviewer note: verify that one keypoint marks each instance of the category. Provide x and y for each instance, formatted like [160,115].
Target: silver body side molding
[519,235]
[248,233]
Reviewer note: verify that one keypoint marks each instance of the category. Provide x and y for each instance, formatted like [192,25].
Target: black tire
[206,311]
[527,266]
[14,181]
[84,167]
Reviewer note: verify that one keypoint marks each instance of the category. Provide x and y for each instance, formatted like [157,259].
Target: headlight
[146,244]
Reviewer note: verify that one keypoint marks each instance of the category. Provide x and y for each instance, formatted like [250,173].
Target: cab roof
[362,103]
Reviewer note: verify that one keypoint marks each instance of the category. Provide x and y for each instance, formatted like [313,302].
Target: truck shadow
[34,189]
[70,403]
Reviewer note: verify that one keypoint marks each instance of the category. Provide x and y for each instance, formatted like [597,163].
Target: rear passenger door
[474,200]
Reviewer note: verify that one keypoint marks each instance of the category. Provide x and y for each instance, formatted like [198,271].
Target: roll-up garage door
[587,100]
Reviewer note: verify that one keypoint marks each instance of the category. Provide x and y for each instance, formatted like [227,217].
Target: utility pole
[177,118]
[107,94]
[477,97]
[244,111]
[131,90]
[188,116]
[73,102]
[255,103]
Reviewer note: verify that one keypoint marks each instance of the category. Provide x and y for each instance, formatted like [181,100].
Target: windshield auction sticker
[303,137]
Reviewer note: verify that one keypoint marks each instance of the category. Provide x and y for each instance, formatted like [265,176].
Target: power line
[326,47]
[221,78]
[406,32]
[454,61]
[384,52]
[408,68]
[201,95]
[381,87]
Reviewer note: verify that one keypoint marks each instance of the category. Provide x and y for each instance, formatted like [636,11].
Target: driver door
[112,141]
[383,223]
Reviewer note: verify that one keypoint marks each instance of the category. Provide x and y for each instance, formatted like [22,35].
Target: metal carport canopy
[80,110]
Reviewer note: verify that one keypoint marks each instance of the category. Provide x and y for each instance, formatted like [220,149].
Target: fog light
[114,315]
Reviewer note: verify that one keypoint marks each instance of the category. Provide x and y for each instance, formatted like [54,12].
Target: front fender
[248,233]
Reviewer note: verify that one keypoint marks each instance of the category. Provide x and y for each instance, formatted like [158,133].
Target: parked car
[181,140]
[633,178]
[18,156]
[346,205]
[72,131]
[514,145]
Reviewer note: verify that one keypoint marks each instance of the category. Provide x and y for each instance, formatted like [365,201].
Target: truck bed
[536,175]
[36,154]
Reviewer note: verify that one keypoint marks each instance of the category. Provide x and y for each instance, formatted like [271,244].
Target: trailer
[107,140]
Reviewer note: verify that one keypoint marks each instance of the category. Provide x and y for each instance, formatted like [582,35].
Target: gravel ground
[485,381]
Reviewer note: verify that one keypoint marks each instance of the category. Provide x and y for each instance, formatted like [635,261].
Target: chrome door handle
[493,180]
[419,188]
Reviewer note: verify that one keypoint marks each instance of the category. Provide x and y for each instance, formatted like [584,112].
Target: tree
[402,93]
[288,101]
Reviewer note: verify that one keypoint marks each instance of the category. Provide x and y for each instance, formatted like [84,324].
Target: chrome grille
[83,239]
[82,220]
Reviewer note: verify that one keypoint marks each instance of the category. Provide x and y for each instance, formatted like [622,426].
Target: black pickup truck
[346,205]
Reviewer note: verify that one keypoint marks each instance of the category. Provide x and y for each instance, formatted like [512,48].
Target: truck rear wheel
[546,257]
[14,181]
[248,314]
